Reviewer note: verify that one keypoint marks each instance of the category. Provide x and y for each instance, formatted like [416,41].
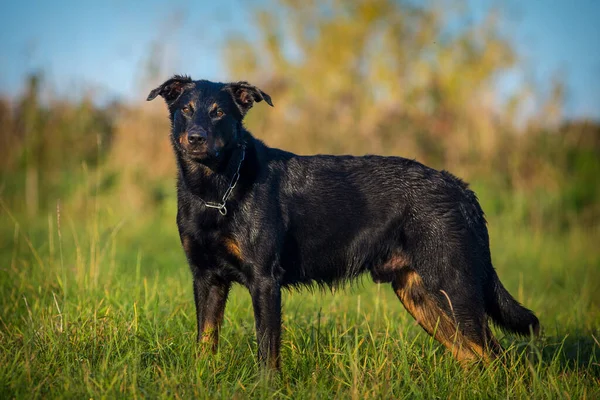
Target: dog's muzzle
[196,137]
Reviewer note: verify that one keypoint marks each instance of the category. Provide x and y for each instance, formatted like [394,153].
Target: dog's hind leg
[492,343]
[461,332]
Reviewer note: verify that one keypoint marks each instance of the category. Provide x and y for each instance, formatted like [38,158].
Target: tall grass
[96,299]
[95,295]
[106,310]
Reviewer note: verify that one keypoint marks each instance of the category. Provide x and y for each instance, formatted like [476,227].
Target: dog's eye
[219,113]
[187,110]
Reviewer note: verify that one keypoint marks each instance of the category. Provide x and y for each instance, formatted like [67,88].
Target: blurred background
[93,280]
[504,94]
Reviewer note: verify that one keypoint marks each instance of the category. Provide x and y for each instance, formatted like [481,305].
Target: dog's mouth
[199,149]
[198,153]
[196,149]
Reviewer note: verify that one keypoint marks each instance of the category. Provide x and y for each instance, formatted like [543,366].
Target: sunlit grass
[95,294]
[104,309]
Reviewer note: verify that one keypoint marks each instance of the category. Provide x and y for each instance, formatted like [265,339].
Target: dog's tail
[505,311]
[508,313]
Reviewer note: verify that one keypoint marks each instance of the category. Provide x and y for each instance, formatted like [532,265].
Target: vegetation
[95,294]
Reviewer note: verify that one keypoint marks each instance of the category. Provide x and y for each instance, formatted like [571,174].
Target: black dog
[268,219]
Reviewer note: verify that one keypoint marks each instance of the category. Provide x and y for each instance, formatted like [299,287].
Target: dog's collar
[234,180]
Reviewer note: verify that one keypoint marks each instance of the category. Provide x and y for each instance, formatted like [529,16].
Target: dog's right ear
[171,89]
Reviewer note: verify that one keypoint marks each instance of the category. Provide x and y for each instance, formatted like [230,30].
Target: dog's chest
[209,243]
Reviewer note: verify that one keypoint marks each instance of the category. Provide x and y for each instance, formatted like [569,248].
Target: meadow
[97,303]
[105,311]
[95,293]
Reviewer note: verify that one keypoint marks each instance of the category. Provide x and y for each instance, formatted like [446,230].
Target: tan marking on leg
[274,361]
[213,322]
[425,310]
[209,333]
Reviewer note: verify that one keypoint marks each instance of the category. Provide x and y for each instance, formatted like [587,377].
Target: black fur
[297,220]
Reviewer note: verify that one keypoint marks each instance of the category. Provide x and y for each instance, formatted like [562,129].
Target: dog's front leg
[210,297]
[266,300]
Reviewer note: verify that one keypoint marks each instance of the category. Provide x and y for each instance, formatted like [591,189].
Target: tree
[381,76]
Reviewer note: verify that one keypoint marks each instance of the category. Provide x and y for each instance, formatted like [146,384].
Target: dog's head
[206,117]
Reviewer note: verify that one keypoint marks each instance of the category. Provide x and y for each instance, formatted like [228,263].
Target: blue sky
[101,46]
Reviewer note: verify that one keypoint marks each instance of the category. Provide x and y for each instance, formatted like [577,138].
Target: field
[95,294]
[104,310]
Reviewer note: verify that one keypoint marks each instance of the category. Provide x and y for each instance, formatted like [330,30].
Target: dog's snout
[196,137]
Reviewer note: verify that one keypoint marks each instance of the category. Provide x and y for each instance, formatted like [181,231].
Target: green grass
[104,309]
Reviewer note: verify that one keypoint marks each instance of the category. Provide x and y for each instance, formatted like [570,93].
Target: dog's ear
[245,95]
[171,89]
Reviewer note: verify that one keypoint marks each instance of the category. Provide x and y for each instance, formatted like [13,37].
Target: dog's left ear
[171,89]
[245,95]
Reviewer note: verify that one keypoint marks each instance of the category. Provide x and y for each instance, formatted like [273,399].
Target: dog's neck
[210,181]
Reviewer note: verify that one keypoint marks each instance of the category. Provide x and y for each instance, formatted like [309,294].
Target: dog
[270,219]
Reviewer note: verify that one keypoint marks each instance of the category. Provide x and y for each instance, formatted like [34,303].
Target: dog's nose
[196,137]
